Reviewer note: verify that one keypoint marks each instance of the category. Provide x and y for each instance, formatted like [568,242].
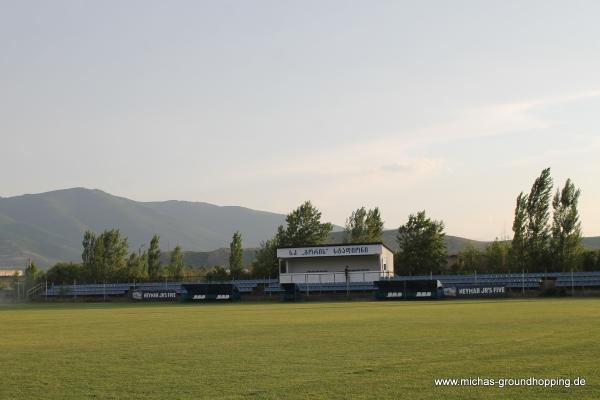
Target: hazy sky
[449,106]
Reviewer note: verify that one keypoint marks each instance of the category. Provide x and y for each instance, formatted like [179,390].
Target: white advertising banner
[331,251]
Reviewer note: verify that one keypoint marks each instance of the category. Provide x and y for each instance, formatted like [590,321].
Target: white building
[335,263]
[10,272]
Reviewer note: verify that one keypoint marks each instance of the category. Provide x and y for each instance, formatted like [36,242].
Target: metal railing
[36,290]
[333,277]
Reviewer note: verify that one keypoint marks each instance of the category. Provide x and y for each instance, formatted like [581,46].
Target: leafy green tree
[471,259]
[497,256]
[236,254]
[265,263]
[217,274]
[32,274]
[176,266]
[115,252]
[538,215]
[566,228]
[191,272]
[421,244]
[304,227]
[65,273]
[97,269]
[154,264]
[518,249]
[590,260]
[364,226]
[104,256]
[137,267]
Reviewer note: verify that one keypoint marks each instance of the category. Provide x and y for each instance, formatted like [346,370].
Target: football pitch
[335,350]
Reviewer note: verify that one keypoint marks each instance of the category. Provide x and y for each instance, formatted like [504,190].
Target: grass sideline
[379,350]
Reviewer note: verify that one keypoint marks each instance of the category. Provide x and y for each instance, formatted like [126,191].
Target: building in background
[335,263]
[11,272]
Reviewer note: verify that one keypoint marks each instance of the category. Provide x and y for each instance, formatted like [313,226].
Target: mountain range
[48,227]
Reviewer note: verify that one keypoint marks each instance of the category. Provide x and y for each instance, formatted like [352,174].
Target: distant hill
[592,242]
[212,258]
[48,227]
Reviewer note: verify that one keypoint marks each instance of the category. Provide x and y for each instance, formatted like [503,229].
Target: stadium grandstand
[123,289]
[515,282]
[356,270]
[335,264]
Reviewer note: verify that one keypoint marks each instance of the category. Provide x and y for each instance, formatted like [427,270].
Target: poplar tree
[364,226]
[89,243]
[236,255]
[356,230]
[538,215]
[518,249]
[374,225]
[176,265]
[566,227]
[115,251]
[154,265]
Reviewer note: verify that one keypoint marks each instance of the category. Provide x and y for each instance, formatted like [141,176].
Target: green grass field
[298,351]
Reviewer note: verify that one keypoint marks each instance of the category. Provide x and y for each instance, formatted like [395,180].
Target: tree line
[106,258]
[546,237]
[546,227]
[304,228]
[546,234]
